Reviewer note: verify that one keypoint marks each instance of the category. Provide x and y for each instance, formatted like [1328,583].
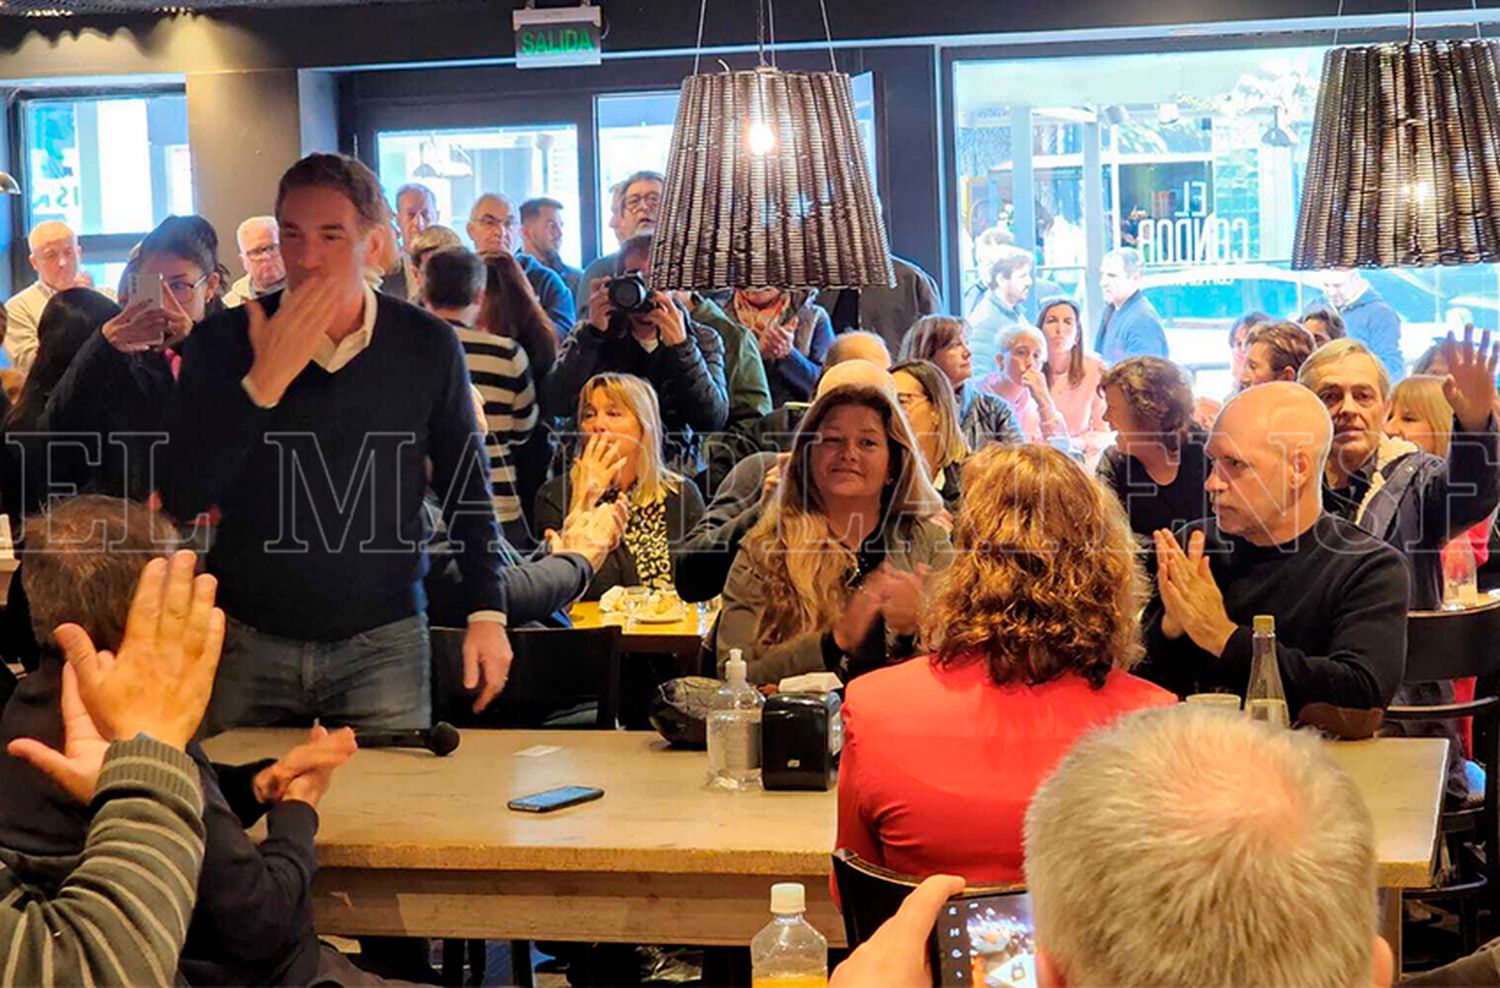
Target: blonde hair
[1311,374]
[1422,394]
[939,391]
[1254,851]
[653,481]
[1045,580]
[804,568]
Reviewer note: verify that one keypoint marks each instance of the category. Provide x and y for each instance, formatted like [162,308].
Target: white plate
[671,617]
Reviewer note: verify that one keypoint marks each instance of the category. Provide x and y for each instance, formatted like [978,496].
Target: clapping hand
[901,596]
[317,757]
[158,683]
[776,341]
[1191,598]
[1470,384]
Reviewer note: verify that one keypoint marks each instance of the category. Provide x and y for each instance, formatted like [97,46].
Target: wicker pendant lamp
[1403,167]
[767,185]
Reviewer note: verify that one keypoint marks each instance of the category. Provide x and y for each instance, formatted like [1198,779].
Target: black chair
[553,669]
[870,894]
[1446,645]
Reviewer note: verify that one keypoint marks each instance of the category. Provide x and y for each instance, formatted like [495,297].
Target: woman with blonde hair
[925,397]
[619,417]
[1033,630]
[831,576]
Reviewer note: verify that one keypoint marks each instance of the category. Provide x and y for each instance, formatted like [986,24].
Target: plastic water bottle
[788,952]
[734,730]
[1264,698]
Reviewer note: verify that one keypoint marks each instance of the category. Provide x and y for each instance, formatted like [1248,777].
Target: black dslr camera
[629,293]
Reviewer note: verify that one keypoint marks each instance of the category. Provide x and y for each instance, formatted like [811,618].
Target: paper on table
[810,682]
[537,751]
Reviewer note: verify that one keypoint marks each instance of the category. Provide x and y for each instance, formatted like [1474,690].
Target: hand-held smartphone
[985,940]
[147,289]
[555,799]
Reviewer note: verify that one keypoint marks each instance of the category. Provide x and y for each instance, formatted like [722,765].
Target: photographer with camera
[634,330]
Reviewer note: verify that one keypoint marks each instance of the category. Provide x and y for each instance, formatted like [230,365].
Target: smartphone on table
[985,941]
[555,799]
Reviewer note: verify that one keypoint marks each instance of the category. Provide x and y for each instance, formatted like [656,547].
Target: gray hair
[1130,260]
[435,237]
[264,222]
[1313,369]
[1250,852]
[499,198]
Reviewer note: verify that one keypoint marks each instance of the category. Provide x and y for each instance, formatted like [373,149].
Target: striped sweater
[499,370]
[120,916]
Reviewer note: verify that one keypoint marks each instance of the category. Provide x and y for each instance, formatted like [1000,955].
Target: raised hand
[599,307]
[160,681]
[592,532]
[596,468]
[284,344]
[178,323]
[1190,594]
[1470,384]
[901,596]
[76,767]
[141,326]
[671,328]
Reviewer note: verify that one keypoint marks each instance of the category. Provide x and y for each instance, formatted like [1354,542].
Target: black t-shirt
[1150,505]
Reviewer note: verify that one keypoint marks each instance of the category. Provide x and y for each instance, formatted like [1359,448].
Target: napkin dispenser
[801,736]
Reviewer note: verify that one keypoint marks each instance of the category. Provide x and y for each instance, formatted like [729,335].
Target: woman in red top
[1034,627]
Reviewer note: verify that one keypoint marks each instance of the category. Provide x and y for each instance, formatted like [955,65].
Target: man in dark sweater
[253,920]
[1338,594]
[311,420]
[682,360]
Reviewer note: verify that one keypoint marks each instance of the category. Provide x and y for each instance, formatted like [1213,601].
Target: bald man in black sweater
[1338,594]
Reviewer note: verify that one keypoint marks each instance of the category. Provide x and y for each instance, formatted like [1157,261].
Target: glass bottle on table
[1264,698]
[788,952]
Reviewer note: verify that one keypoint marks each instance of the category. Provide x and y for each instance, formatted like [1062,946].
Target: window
[111,201]
[1200,159]
[461,165]
[635,134]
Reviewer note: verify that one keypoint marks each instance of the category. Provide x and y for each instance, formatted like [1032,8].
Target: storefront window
[1196,160]
[461,165]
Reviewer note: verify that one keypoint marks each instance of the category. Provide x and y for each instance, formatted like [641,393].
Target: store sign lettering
[557,36]
[1194,235]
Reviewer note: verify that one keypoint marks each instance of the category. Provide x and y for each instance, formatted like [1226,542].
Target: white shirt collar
[332,357]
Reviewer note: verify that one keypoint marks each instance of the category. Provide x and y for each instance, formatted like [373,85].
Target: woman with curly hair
[1033,629]
[1157,465]
[832,575]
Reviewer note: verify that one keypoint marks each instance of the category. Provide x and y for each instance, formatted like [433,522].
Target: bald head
[55,254]
[860,373]
[1269,445]
[857,345]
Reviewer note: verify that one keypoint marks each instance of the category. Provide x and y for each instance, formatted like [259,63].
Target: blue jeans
[377,680]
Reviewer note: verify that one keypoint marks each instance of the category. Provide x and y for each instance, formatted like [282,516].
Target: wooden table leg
[1389,906]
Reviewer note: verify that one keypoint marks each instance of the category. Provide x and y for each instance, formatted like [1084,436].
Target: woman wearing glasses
[118,385]
[927,400]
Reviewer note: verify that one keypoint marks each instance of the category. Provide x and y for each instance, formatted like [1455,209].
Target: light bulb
[761,139]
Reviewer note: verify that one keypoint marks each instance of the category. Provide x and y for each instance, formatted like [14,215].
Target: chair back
[1452,644]
[554,668]
[870,894]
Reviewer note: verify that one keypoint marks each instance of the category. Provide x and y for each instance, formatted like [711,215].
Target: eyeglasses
[54,254]
[650,200]
[262,252]
[183,289]
[912,400]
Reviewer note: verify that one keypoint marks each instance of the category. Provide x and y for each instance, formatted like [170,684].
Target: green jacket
[749,393]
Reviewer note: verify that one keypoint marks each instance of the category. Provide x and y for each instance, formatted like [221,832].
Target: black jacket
[683,509]
[688,379]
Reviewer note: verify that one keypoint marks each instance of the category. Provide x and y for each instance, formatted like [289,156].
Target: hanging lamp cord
[1337,20]
[1478,29]
[702,15]
[828,34]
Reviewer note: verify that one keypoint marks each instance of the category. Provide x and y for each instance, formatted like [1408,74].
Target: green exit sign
[556,36]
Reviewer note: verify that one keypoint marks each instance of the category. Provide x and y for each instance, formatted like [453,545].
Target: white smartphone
[146,288]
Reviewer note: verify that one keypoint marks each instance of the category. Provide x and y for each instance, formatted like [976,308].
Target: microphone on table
[441,739]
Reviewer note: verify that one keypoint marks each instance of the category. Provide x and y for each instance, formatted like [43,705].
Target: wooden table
[417,845]
[681,638]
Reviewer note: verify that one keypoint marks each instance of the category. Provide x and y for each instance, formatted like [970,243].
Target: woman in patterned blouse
[622,453]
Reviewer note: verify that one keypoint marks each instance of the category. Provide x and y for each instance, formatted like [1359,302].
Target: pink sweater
[1082,408]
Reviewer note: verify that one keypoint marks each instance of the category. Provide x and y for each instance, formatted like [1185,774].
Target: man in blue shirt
[495,228]
[1001,308]
[1131,326]
[1367,317]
